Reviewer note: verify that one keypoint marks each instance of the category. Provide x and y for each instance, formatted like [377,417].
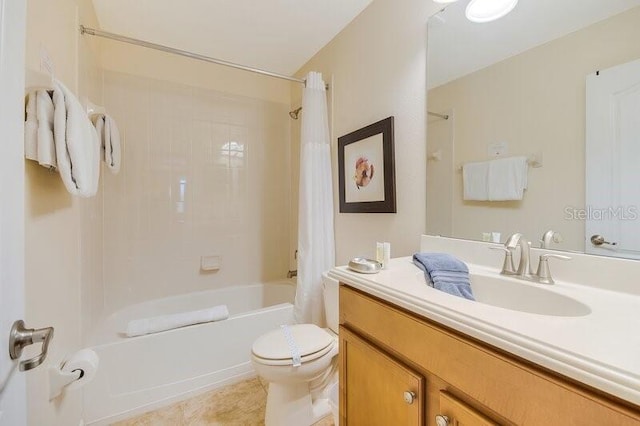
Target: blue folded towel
[445,273]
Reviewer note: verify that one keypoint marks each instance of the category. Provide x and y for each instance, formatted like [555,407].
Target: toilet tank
[330,292]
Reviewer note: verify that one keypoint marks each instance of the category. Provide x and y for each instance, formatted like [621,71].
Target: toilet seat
[311,341]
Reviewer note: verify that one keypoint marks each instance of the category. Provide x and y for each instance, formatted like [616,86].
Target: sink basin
[511,293]
[522,296]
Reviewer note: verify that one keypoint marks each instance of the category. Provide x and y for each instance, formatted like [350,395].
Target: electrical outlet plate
[498,149]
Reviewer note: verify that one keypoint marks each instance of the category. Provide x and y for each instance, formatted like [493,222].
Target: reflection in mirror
[519,87]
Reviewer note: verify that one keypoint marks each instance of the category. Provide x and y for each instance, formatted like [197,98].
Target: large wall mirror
[559,83]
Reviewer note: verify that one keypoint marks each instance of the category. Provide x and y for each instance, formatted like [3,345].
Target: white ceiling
[275,35]
[458,47]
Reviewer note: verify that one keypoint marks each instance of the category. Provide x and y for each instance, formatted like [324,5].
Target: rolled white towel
[31,128]
[77,144]
[167,322]
[110,141]
[46,145]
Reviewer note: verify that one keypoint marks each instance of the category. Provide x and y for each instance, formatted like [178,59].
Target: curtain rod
[124,39]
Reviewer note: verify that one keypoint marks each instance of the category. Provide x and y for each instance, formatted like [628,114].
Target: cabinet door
[458,413]
[375,388]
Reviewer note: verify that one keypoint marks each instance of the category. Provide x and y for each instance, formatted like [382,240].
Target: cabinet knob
[409,397]
[442,420]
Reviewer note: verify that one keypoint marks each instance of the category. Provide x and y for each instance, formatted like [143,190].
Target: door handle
[598,240]
[20,337]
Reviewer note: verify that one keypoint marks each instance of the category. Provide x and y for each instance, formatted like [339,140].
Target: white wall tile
[203,173]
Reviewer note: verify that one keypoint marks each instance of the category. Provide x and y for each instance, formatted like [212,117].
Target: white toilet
[297,394]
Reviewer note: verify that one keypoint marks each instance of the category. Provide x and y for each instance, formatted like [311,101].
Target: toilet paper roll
[85,360]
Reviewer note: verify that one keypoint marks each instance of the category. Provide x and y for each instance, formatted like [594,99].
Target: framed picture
[366,169]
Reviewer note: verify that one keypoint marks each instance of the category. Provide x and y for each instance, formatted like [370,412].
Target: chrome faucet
[543,275]
[524,267]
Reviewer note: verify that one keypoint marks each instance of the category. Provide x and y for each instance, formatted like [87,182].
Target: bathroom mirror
[517,87]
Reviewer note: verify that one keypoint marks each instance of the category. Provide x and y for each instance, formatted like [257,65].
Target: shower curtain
[316,249]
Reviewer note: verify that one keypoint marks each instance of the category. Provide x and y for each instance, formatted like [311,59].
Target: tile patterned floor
[242,404]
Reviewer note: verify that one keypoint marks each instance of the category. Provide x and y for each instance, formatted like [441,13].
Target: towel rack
[38,80]
[534,161]
[92,108]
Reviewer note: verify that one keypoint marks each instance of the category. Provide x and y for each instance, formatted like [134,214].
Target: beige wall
[184,192]
[377,69]
[535,101]
[61,260]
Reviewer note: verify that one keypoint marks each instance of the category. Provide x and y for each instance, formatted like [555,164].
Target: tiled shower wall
[203,174]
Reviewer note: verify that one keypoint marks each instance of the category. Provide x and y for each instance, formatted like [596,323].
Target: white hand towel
[77,144]
[507,178]
[46,145]
[110,141]
[475,178]
[31,128]
[168,322]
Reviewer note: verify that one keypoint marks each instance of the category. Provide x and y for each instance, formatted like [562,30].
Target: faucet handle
[507,267]
[512,240]
[549,237]
[544,274]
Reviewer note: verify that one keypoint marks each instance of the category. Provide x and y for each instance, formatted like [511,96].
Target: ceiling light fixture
[488,10]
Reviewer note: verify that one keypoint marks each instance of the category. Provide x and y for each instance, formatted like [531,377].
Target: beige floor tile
[242,404]
[168,416]
[264,384]
[327,421]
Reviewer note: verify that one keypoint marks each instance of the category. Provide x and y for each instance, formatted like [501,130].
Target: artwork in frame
[366,169]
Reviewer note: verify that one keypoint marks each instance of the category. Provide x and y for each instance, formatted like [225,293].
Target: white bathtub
[142,373]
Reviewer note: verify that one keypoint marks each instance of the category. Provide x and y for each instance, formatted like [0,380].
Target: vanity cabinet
[387,351]
[379,389]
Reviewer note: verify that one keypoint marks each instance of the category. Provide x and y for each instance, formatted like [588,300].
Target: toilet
[297,394]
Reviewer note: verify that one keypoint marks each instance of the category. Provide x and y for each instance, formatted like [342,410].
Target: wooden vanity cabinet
[377,389]
[386,352]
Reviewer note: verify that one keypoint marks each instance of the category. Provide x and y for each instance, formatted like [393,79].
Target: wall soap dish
[365,266]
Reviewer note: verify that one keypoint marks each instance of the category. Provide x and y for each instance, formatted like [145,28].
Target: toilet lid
[308,338]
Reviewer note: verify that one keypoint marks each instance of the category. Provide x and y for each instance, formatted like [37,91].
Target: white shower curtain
[316,249]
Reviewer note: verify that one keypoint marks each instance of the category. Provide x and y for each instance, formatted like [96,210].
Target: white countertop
[601,349]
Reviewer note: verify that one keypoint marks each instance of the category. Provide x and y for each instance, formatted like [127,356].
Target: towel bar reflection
[533,161]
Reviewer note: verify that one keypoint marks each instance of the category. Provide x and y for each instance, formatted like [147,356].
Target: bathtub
[146,372]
